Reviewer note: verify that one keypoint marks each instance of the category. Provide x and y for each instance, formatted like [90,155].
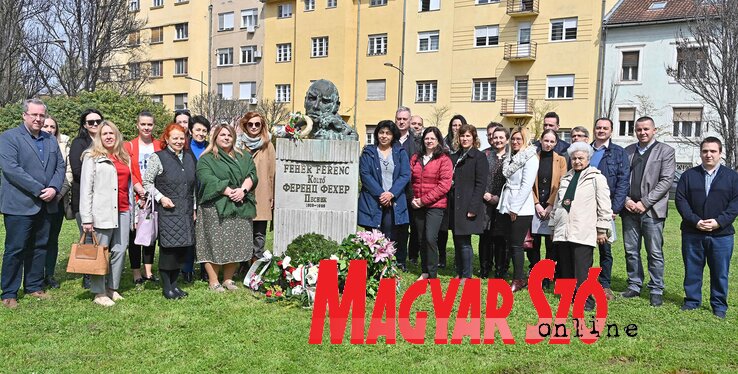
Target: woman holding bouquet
[226,207]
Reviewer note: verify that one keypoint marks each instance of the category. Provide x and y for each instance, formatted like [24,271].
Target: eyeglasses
[578,136]
[93,122]
[253,124]
[39,115]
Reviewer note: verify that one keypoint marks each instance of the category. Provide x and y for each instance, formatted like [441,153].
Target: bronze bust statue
[321,105]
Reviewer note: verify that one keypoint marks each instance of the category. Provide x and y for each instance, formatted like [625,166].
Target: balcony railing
[516,108]
[522,8]
[520,51]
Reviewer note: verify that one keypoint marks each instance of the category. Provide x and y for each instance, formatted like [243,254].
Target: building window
[320,47]
[481,2]
[425,92]
[375,89]
[284,52]
[485,90]
[225,56]
[225,91]
[309,5]
[370,133]
[180,101]
[157,4]
[249,17]
[564,29]
[157,98]
[284,11]
[133,6]
[564,135]
[225,21]
[626,120]
[691,63]
[687,122]
[377,2]
[180,66]
[428,41]
[630,66]
[181,1]
[485,36]
[134,39]
[134,70]
[428,5]
[331,3]
[246,90]
[181,31]
[248,54]
[156,69]
[157,35]
[656,5]
[560,86]
[377,45]
[283,93]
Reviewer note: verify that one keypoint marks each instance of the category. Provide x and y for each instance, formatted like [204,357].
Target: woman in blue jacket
[385,171]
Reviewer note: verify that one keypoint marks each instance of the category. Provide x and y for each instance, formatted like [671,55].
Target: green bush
[311,248]
[120,109]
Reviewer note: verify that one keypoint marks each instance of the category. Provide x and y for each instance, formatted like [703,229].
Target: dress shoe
[40,295]
[686,308]
[152,279]
[656,300]
[609,295]
[484,274]
[518,285]
[139,281]
[188,277]
[589,305]
[103,300]
[630,294]
[51,282]
[719,314]
[86,281]
[180,292]
[170,294]
[10,303]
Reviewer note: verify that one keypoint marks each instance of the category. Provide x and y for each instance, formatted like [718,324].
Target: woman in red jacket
[432,172]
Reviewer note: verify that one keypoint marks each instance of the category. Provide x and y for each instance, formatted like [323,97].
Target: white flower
[312,276]
[334,257]
[297,290]
[297,274]
[286,262]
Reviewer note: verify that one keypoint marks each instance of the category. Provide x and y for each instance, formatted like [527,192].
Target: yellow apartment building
[175,46]
[487,60]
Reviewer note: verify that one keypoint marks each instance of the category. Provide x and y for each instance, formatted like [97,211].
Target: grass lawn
[239,332]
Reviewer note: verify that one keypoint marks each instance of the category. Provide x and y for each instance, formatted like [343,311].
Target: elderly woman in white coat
[106,199]
[516,206]
[581,217]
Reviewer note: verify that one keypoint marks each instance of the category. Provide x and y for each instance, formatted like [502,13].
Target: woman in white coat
[581,217]
[520,168]
[106,199]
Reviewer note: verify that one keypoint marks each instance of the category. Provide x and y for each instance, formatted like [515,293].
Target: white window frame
[432,5]
[134,70]
[485,2]
[161,35]
[638,66]
[309,5]
[377,3]
[488,32]
[283,94]
[370,134]
[284,10]
[562,90]
[696,128]
[226,21]
[250,51]
[225,56]
[182,31]
[251,90]
[183,98]
[377,45]
[376,90]
[629,125]
[428,37]
[319,47]
[329,4]
[157,72]
[426,91]
[566,24]
[225,91]
[677,65]
[156,98]
[249,17]
[181,66]
[284,52]
[484,90]
[134,6]
[157,3]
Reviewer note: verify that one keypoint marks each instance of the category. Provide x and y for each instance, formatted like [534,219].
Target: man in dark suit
[707,200]
[408,141]
[551,121]
[33,172]
[652,167]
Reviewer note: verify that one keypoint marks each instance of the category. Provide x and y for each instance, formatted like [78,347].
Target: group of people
[211,187]
[213,190]
[416,185]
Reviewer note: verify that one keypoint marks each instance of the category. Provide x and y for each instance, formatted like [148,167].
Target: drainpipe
[356,67]
[600,63]
[402,52]
[210,45]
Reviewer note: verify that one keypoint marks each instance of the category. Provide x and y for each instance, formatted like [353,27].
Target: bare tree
[217,109]
[273,112]
[540,108]
[438,115]
[607,108]
[88,35]
[707,66]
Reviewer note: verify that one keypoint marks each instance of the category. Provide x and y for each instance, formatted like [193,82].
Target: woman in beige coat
[581,217]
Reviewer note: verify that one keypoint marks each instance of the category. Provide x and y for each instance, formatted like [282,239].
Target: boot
[518,285]
[173,275]
[166,286]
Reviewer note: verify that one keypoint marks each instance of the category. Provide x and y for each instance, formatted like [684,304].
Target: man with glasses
[33,172]
[579,134]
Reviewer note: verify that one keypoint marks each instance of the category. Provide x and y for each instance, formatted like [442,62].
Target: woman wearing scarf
[226,207]
[451,142]
[581,217]
[199,129]
[255,139]
[519,167]
[492,246]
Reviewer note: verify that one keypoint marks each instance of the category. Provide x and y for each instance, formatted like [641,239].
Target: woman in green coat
[226,207]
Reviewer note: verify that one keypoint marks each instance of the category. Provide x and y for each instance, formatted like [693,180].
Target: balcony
[520,51]
[516,108]
[522,8]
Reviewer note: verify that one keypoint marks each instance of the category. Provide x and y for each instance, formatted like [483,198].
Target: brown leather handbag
[90,259]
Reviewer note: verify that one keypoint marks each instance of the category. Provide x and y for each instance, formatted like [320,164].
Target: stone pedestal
[316,190]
